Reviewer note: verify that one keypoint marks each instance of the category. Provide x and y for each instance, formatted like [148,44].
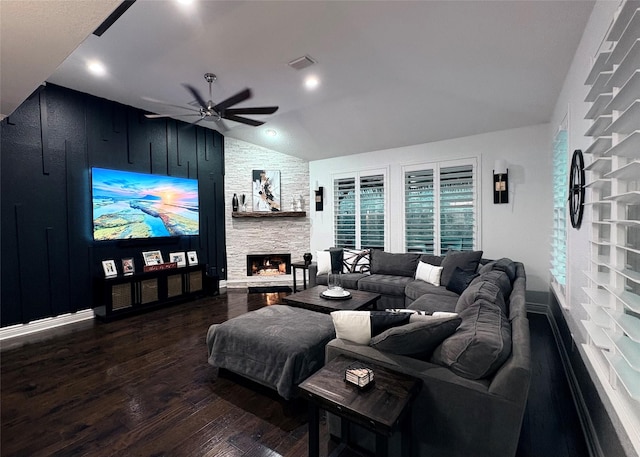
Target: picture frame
[128,267]
[179,258]
[192,256]
[109,267]
[266,190]
[152,258]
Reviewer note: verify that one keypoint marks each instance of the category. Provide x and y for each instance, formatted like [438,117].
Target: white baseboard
[15,331]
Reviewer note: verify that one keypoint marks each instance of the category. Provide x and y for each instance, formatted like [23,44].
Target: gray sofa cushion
[481,344]
[417,339]
[386,263]
[497,277]
[465,260]
[432,303]
[416,289]
[349,280]
[432,259]
[384,284]
[481,289]
[504,264]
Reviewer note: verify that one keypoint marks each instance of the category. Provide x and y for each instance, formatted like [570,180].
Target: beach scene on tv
[138,205]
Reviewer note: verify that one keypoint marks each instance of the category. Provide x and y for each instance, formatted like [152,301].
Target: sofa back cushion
[504,264]
[480,345]
[499,278]
[465,260]
[387,263]
[481,289]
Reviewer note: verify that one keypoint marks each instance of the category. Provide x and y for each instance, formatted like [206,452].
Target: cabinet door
[122,296]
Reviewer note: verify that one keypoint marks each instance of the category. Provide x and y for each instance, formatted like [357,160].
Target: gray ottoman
[278,346]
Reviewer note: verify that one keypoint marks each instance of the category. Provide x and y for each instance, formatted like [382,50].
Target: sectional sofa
[476,381]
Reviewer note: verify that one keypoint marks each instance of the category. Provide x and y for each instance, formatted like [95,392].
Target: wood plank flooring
[142,387]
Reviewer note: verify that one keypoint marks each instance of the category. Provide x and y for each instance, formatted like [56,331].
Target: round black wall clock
[576,188]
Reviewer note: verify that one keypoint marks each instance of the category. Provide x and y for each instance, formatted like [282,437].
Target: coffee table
[383,408]
[311,299]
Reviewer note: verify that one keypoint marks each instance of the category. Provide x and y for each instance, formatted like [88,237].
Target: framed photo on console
[193,257]
[179,258]
[152,258]
[109,267]
[128,267]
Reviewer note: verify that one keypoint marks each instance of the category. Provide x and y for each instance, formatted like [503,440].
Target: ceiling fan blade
[258,110]
[158,116]
[242,120]
[196,95]
[233,100]
[161,102]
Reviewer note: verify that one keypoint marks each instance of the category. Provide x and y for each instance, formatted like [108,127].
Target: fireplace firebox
[268,264]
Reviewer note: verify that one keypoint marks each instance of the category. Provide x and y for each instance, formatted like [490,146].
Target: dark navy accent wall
[49,260]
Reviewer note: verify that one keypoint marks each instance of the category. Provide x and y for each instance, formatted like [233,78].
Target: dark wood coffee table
[311,299]
[382,408]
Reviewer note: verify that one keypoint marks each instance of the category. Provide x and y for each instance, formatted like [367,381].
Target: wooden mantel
[268,214]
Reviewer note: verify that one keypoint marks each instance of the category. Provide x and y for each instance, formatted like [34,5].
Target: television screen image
[129,205]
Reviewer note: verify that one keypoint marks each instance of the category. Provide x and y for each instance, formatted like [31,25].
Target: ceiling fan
[208,111]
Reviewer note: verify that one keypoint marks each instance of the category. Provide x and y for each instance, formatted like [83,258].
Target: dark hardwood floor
[142,387]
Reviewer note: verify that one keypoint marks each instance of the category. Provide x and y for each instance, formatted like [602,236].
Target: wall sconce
[319,198]
[500,182]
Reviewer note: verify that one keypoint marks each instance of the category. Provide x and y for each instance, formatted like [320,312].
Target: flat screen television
[129,205]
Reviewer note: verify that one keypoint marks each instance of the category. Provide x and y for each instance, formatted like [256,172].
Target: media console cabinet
[120,295]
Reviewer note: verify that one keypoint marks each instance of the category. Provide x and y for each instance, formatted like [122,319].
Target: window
[559,235]
[359,211]
[440,203]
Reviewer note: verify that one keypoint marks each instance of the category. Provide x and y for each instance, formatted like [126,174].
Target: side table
[305,272]
[382,408]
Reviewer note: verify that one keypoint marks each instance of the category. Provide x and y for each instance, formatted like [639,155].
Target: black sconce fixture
[500,182]
[319,198]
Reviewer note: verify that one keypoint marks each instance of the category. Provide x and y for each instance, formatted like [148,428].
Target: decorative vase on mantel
[234,203]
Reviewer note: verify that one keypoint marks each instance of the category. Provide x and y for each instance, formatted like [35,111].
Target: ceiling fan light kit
[209,111]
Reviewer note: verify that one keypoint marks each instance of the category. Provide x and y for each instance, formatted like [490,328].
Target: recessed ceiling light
[311,82]
[270,132]
[96,67]
[185,2]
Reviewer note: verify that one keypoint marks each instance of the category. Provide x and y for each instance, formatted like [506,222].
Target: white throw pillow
[323,259]
[352,325]
[428,273]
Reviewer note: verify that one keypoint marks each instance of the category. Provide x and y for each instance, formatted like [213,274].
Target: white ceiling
[393,73]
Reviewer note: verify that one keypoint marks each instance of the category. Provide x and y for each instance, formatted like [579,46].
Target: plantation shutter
[457,208]
[559,236]
[372,212]
[344,194]
[419,209]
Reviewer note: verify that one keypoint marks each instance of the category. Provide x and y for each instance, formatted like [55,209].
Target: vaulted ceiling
[392,73]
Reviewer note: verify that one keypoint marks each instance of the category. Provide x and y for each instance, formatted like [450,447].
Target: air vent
[301,62]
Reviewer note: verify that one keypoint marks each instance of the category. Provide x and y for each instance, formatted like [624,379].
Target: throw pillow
[428,273]
[329,261]
[361,326]
[480,345]
[323,259]
[387,263]
[336,259]
[355,261]
[465,260]
[417,339]
[460,280]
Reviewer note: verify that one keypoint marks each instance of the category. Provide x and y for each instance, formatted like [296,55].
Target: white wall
[520,230]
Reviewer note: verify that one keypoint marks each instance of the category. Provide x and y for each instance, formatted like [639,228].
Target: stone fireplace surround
[246,236]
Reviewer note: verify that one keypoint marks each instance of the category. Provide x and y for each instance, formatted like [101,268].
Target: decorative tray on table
[336,294]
